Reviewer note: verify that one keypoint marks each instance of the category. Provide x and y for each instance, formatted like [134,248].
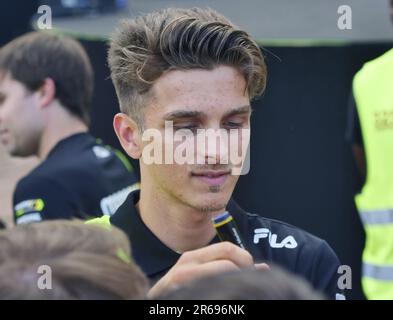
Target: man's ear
[128,134]
[47,92]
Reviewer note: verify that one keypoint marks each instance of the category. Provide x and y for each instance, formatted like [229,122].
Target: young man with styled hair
[46,85]
[194,68]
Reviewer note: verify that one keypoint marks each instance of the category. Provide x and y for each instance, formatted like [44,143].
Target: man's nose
[215,149]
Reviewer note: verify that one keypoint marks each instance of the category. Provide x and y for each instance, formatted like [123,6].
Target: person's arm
[354,136]
[215,258]
[360,158]
[36,199]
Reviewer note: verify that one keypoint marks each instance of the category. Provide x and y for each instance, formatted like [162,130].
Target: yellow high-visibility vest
[373,91]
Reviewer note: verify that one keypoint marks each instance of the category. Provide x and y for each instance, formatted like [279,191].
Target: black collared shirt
[267,240]
[80,178]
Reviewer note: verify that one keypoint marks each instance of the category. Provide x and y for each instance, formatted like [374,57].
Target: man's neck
[60,126]
[179,226]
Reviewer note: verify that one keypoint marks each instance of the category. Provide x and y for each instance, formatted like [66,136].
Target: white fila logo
[289,242]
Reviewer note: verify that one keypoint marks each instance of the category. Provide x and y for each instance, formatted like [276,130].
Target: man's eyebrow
[237,111]
[183,114]
[195,114]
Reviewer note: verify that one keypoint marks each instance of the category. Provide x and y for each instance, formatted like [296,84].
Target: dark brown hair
[144,48]
[86,262]
[38,55]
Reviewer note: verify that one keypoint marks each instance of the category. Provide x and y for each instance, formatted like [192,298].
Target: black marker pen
[227,230]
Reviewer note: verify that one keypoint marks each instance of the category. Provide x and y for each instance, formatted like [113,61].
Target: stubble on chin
[214,189]
[212,207]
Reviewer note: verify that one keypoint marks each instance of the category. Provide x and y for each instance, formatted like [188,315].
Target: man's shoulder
[287,245]
[88,162]
[262,225]
[33,195]
[279,234]
[295,249]
[49,172]
[36,178]
[374,68]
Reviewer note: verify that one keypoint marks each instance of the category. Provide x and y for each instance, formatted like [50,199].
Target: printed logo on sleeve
[288,242]
[27,206]
[29,218]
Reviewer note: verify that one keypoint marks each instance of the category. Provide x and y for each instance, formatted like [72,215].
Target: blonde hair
[84,260]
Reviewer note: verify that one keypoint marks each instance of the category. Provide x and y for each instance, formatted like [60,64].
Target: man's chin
[209,203]
[214,207]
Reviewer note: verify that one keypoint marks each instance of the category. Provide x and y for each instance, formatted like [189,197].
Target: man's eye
[192,128]
[233,125]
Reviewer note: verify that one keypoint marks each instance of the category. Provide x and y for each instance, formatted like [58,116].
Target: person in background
[65,259]
[370,131]
[46,85]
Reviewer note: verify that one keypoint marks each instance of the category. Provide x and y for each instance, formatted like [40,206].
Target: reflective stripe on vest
[377,272]
[372,88]
[376,216]
[378,281]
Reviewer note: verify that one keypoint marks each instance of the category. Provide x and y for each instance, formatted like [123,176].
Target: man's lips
[212,177]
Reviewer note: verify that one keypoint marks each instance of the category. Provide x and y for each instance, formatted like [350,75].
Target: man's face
[20,123]
[197,99]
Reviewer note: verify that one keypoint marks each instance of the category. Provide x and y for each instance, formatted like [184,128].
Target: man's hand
[216,258]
